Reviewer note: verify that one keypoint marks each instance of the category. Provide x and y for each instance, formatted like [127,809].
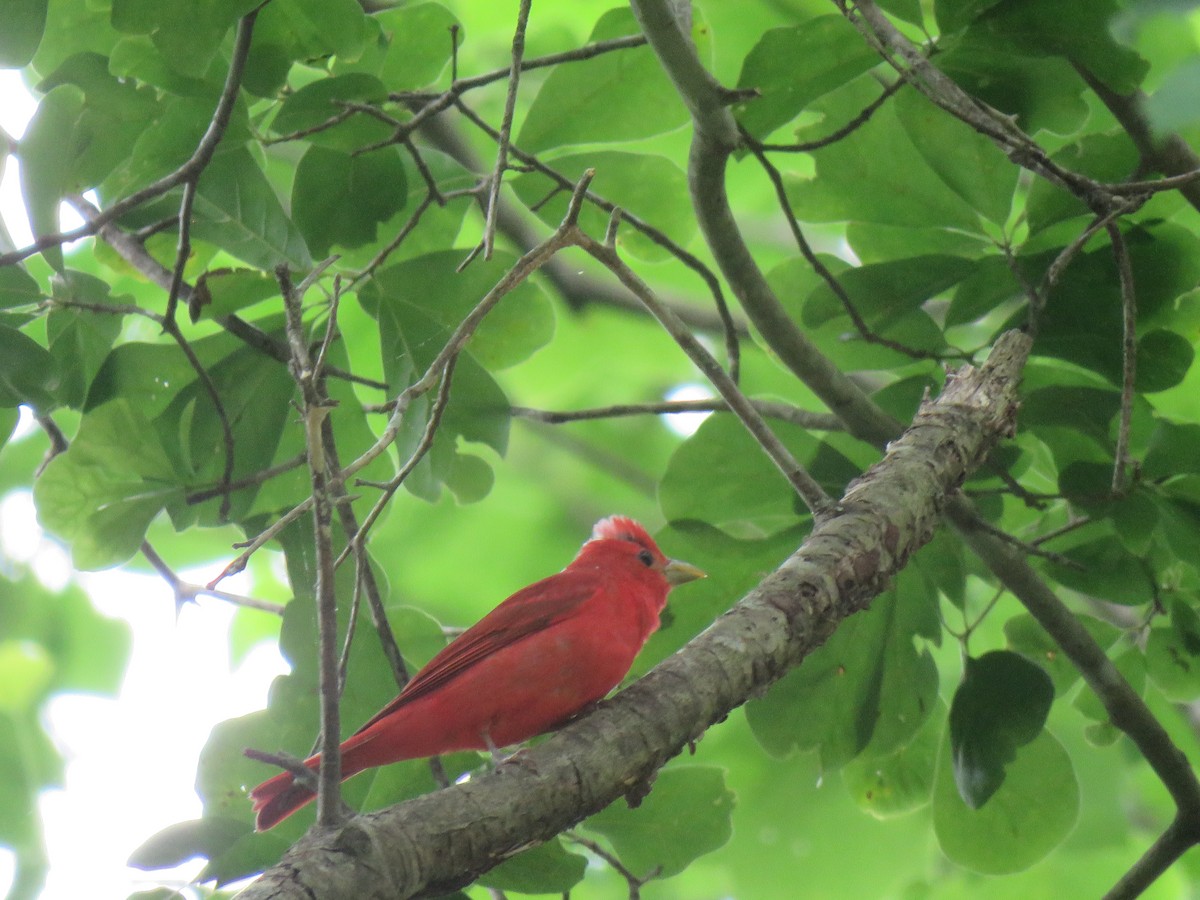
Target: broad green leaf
[24,21]
[686,815]
[868,686]
[720,475]
[575,104]
[1032,641]
[1044,93]
[115,114]
[521,323]
[548,868]
[186,34]
[1107,571]
[222,292]
[101,494]
[419,44]
[48,152]
[955,14]
[833,54]
[1132,664]
[885,292]
[968,163]
[238,210]
[1031,814]
[1163,360]
[28,373]
[1172,107]
[1000,706]
[320,101]
[899,782]
[26,670]
[172,138]
[178,843]
[876,174]
[1173,653]
[340,198]
[1088,41]
[1104,157]
[17,288]
[651,187]
[80,339]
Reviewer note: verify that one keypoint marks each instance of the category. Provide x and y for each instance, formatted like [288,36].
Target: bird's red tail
[277,798]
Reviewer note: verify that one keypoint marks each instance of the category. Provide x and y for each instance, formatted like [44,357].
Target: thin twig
[841,133]
[510,106]
[1121,460]
[804,418]
[186,592]
[315,410]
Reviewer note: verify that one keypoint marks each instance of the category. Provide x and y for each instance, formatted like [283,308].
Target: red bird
[542,656]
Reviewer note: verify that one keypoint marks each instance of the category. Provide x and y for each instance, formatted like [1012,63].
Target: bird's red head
[623,528]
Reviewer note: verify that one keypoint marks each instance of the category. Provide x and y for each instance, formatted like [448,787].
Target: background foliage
[939,738]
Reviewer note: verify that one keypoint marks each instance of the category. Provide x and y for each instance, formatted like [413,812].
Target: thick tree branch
[440,841]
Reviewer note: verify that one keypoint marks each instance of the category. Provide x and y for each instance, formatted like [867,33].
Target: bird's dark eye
[646,557]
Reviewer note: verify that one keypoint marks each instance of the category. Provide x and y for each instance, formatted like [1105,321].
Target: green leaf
[340,198]
[28,373]
[548,868]
[575,104]
[967,163]
[720,475]
[1163,360]
[17,288]
[1173,654]
[1107,570]
[237,209]
[1044,93]
[116,112]
[176,844]
[101,494]
[1172,107]
[24,22]
[1032,641]
[952,15]
[1025,819]
[418,46]
[321,100]
[901,781]
[651,187]
[833,54]
[866,687]
[884,292]
[686,815]
[1001,705]
[222,292]
[187,34]
[48,154]
[521,323]
[1104,157]
[1088,42]
[80,339]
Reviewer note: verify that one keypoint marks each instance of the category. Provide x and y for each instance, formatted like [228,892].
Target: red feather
[542,656]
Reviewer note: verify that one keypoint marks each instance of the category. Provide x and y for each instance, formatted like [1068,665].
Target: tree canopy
[386,304]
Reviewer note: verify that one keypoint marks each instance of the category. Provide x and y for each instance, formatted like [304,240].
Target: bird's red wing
[529,610]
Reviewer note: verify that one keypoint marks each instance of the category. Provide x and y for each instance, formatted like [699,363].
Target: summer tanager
[542,656]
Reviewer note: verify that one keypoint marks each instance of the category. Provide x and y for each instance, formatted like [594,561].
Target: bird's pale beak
[679,572]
